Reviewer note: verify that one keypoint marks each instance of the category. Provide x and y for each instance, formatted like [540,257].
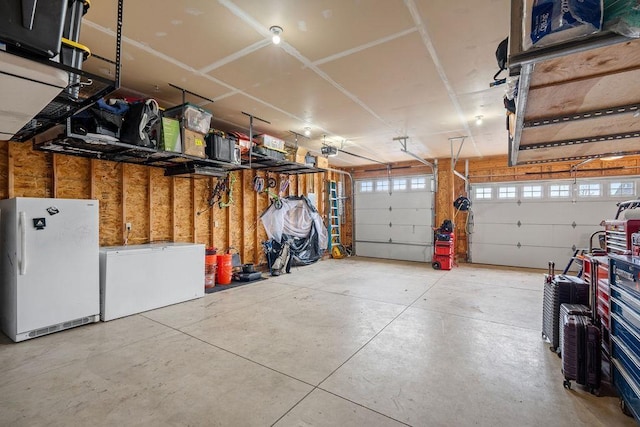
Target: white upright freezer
[49,265]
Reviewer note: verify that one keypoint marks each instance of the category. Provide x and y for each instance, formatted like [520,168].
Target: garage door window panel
[622,189]
[532,192]
[559,191]
[507,192]
[483,193]
[590,189]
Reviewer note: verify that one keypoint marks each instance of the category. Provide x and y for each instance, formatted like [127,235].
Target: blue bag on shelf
[557,21]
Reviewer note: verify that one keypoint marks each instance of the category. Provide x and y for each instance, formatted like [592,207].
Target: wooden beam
[92,177]
[212,220]
[256,213]
[195,211]
[243,254]
[150,201]
[173,209]
[54,175]
[123,189]
[11,191]
[228,215]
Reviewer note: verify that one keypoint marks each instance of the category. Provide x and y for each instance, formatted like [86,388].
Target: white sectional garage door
[528,224]
[393,218]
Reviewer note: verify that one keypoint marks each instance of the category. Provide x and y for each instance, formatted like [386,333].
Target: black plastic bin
[33,26]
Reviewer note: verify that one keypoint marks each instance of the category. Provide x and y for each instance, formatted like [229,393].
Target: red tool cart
[443,247]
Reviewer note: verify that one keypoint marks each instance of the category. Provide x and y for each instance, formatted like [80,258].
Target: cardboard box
[270,142]
[322,162]
[170,131]
[300,155]
[194,144]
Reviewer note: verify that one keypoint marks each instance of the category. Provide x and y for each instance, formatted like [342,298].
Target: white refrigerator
[49,266]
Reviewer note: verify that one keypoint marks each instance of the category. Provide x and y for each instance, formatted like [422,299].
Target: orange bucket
[225,268]
[210,265]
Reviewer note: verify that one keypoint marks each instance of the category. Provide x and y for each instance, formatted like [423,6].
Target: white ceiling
[361,72]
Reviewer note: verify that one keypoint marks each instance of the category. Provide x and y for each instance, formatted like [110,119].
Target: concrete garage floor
[357,341]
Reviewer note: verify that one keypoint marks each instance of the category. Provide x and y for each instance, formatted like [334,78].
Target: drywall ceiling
[358,73]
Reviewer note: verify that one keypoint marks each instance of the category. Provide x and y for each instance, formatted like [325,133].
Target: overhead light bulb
[478,120]
[610,158]
[276,31]
[307,131]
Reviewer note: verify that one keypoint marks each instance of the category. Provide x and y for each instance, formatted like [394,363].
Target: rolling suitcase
[559,289]
[565,310]
[581,357]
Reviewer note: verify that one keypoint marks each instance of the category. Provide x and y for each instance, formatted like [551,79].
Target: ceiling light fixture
[610,158]
[276,31]
[479,120]
[307,131]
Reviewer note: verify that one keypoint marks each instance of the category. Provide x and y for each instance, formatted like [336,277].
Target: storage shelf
[62,141]
[263,162]
[575,99]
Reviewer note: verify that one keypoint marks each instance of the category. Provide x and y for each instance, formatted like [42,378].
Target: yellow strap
[85,50]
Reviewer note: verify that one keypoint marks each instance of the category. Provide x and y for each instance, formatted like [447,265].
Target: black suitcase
[33,26]
[560,289]
[565,310]
[581,357]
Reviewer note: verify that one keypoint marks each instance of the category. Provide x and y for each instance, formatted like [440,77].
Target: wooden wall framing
[159,208]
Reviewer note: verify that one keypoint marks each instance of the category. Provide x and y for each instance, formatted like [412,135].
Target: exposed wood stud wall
[159,208]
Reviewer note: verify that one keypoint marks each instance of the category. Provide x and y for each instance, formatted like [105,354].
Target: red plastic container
[225,269]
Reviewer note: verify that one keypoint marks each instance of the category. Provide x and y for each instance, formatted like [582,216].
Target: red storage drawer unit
[443,250]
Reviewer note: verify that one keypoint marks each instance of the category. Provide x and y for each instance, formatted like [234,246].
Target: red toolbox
[443,250]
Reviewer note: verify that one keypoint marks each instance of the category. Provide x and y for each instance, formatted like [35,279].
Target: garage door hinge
[390,225]
[519,245]
[573,248]
[574,225]
[390,241]
[519,224]
[519,202]
[390,208]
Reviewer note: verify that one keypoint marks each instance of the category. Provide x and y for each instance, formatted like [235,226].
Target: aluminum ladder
[333,216]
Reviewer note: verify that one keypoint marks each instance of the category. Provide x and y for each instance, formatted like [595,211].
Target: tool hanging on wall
[258,184]
[284,185]
[228,182]
[223,186]
[262,186]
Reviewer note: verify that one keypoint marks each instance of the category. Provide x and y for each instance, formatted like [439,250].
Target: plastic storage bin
[193,117]
[37,30]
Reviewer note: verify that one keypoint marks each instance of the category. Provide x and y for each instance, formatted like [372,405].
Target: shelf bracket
[251,117]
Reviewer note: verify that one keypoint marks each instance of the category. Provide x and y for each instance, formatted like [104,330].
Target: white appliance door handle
[22,263]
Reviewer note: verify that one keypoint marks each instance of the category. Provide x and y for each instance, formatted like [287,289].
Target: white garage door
[528,224]
[394,217]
